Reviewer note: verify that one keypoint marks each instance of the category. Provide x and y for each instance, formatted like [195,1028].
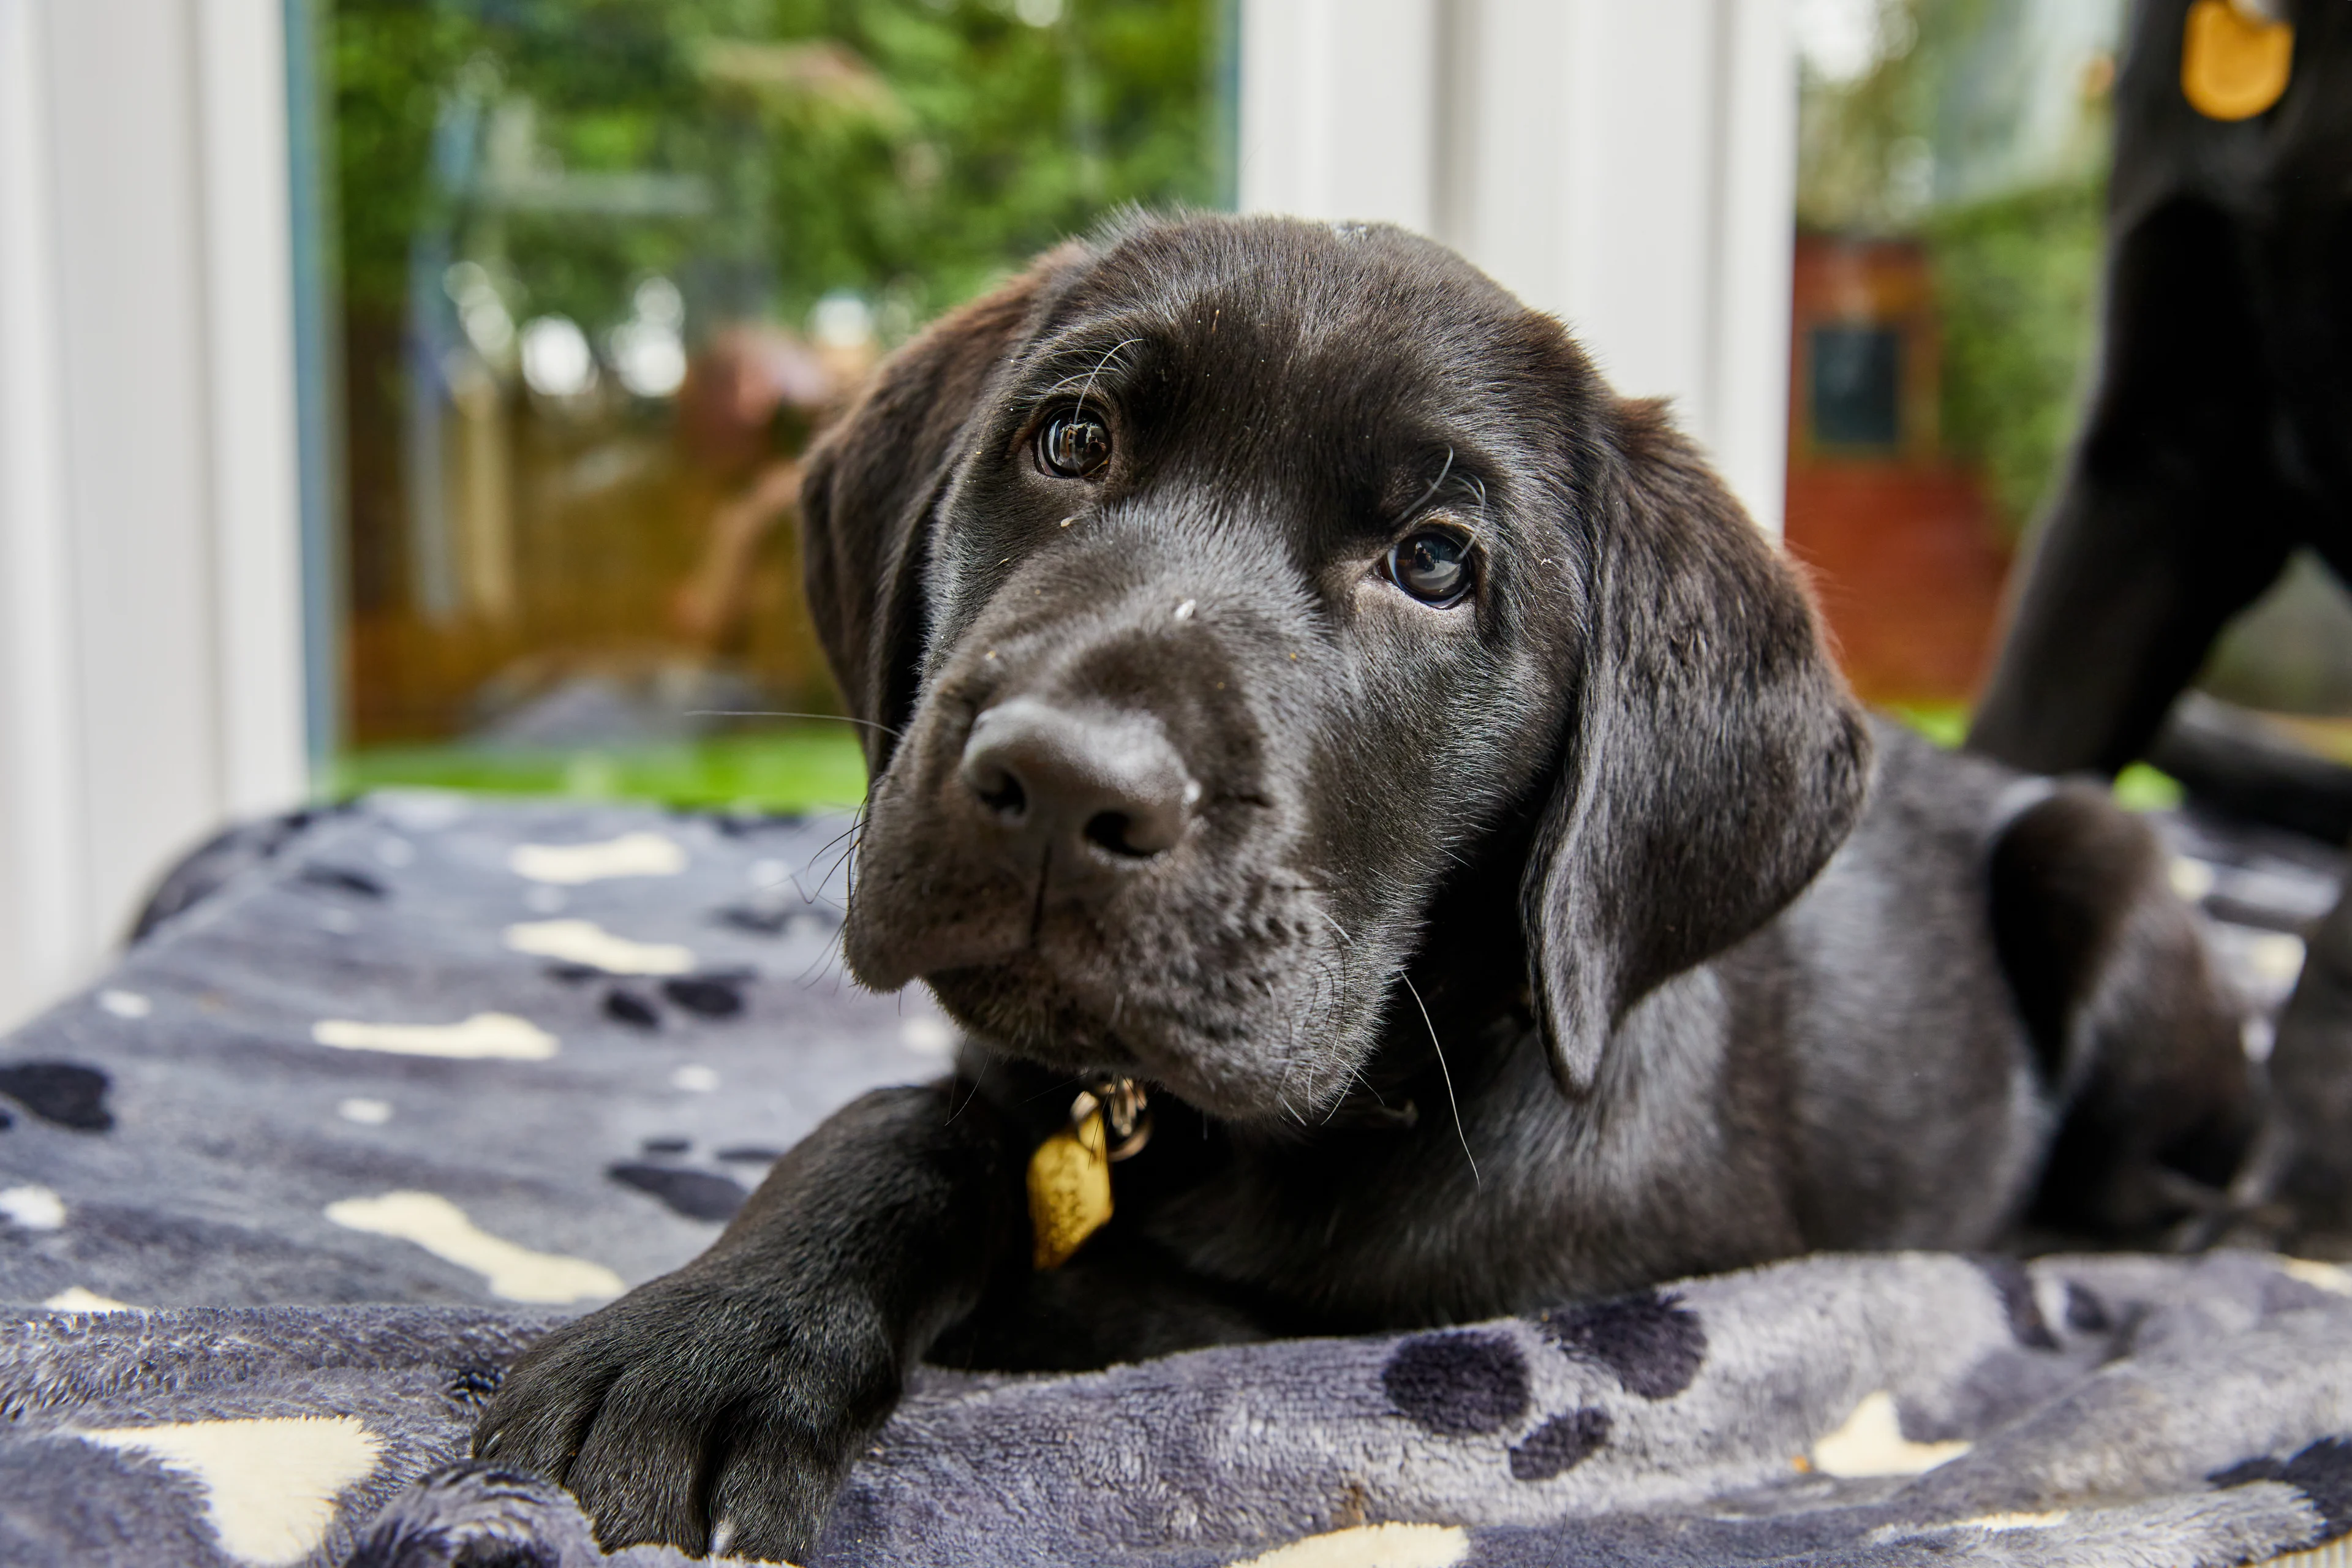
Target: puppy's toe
[768,1493]
[672,1409]
[548,1402]
[639,1473]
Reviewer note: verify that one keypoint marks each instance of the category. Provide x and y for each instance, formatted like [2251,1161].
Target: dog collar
[1069,1175]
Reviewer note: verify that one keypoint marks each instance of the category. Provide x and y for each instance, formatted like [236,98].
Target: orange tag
[2233,66]
[1069,1189]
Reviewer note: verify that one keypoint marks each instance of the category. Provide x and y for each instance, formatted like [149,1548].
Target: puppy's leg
[2139,1040]
[718,1408]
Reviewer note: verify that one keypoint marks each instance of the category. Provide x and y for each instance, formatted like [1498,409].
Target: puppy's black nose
[1070,778]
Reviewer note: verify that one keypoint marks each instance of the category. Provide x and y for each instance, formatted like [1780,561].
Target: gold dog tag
[2233,66]
[1069,1186]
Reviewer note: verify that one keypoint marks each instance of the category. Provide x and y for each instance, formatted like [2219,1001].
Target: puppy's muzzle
[1091,792]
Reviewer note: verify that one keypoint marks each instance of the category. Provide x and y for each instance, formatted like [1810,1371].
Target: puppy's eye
[1433,565]
[1074,447]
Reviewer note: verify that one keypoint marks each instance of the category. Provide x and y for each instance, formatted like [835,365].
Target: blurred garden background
[1951,218]
[602,266]
[1951,185]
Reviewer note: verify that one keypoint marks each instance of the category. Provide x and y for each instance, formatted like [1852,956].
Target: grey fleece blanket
[382,1092]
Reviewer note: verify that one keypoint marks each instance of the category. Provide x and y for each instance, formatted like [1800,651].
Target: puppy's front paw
[706,1415]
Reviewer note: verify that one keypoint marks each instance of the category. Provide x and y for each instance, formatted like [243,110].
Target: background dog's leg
[2174,515]
[718,1408]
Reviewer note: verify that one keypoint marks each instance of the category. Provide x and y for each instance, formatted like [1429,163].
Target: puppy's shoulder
[1907,889]
[1938,821]
[1919,788]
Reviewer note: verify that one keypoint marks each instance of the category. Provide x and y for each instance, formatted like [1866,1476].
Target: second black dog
[1301,687]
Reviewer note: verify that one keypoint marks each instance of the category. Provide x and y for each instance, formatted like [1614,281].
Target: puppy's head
[1224,591]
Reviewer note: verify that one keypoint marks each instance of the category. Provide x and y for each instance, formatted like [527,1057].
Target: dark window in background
[602,266]
[1857,392]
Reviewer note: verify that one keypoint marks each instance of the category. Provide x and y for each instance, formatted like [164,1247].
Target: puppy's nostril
[1001,792]
[1115,831]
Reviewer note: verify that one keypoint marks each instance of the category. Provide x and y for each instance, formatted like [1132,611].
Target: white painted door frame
[151,659]
[1627,165]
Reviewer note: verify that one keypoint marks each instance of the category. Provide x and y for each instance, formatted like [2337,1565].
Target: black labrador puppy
[1299,687]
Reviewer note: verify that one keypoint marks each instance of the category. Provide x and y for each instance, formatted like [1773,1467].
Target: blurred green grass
[790,771]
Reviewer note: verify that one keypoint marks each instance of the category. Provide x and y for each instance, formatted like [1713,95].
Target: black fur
[1460,990]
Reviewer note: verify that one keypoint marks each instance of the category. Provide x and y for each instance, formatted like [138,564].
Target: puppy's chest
[1369,1231]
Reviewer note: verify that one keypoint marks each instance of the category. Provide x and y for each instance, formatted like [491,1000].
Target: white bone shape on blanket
[442,1228]
[269,1485]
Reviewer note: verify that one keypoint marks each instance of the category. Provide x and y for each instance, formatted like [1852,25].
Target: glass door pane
[1951,186]
[602,266]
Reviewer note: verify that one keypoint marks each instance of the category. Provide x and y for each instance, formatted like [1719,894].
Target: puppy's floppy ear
[872,481]
[1716,759]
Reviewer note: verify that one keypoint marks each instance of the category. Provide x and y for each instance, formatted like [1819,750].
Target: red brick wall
[1903,547]
[1909,569]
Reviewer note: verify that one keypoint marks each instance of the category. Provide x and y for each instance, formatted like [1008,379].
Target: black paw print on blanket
[704,1195]
[1471,1382]
[66,1094]
[2321,1472]
[718,994]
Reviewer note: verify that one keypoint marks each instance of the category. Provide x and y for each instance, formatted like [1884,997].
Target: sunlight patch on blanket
[1997,1522]
[442,1228]
[269,1485]
[931,1036]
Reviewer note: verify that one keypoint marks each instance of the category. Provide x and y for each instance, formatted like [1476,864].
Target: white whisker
[1434,483]
[781,713]
[1112,352]
[1448,1074]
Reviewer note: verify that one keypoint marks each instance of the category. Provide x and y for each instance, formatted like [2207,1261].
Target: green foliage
[1866,153]
[908,150]
[388,64]
[2142,788]
[1923,144]
[1946,723]
[2017,280]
